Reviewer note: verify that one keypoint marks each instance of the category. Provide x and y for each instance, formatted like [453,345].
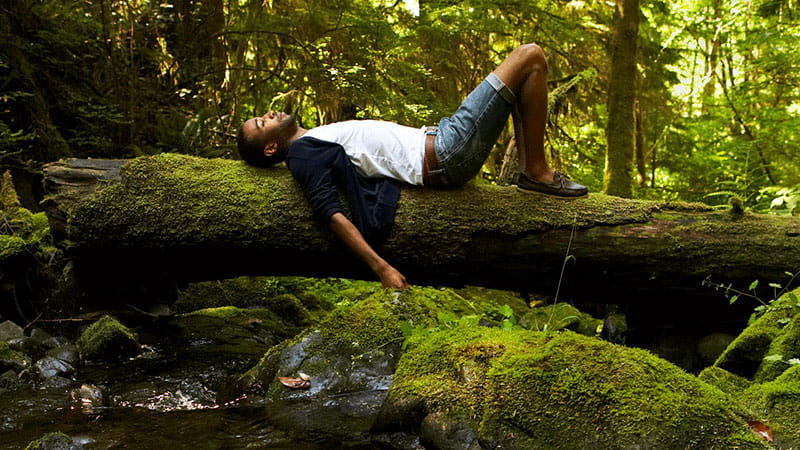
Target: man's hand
[349,234]
[391,278]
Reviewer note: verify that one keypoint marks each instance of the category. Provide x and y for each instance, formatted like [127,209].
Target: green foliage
[718,89]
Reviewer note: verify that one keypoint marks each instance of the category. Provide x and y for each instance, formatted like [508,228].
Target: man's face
[272,127]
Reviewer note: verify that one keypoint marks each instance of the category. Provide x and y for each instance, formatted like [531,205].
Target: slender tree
[620,130]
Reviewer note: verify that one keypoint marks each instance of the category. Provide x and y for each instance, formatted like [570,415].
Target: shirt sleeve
[313,167]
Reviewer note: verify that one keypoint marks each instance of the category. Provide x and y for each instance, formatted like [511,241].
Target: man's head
[262,141]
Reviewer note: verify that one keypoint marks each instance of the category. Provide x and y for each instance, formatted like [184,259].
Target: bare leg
[524,71]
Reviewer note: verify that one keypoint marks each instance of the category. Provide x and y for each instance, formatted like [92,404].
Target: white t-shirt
[377,148]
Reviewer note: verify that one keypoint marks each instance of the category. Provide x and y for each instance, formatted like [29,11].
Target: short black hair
[252,151]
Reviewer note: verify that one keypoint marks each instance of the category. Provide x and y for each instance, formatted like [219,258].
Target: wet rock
[107,339]
[615,327]
[68,353]
[55,441]
[12,359]
[55,341]
[40,335]
[49,367]
[745,355]
[446,433]
[55,383]
[88,398]
[679,350]
[561,390]
[396,441]
[559,317]
[26,345]
[710,347]
[236,329]
[9,330]
[350,358]
[10,381]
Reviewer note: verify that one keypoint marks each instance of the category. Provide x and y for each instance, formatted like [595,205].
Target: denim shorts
[466,138]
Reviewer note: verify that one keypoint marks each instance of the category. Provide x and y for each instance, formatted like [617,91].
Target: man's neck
[297,134]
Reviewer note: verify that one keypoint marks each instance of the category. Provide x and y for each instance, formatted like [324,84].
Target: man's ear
[270,149]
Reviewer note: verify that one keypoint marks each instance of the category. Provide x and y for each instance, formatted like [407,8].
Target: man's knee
[534,57]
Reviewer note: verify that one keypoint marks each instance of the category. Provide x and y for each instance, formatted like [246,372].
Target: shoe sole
[563,197]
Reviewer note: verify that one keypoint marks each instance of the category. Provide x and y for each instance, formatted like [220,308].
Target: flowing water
[168,398]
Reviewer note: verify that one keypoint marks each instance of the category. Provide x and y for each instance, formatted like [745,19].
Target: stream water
[166,398]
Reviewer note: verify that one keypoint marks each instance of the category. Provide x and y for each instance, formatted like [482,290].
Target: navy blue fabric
[321,166]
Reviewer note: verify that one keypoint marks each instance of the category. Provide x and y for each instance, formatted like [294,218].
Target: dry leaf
[295,383]
[764,431]
[303,376]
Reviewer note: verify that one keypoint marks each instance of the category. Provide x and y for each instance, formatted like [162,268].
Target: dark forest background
[685,100]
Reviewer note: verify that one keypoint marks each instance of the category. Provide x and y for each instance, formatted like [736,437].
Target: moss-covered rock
[240,330]
[523,389]
[784,347]
[727,382]
[351,354]
[107,339]
[777,402]
[745,355]
[12,359]
[54,441]
[561,316]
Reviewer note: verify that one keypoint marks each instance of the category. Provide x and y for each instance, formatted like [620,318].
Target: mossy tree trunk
[199,218]
[621,98]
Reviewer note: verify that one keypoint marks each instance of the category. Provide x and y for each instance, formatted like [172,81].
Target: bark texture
[621,97]
[205,219]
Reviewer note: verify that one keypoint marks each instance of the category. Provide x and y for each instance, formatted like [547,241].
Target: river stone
[40,335]
[9,381]
[107,339]
[352,353]
[9,330]
[445,433]
[55,441]
[348,386]
[49,367]
[55,341]
[711,346]
[559,390]
[25,345]
[67,353]
[12,359]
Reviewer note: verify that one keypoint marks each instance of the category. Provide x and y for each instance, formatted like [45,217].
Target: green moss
[724,380]
[560,317]
[239,330]
[745,354]
[374,324]
[12,359]
[107,339]
[52,441]
[569,391]
[785,346]
[11,246]
[778,402]
[190,200]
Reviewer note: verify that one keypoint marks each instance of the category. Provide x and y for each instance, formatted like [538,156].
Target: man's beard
[286,129]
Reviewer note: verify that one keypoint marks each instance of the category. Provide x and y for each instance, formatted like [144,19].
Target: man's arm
[348,233]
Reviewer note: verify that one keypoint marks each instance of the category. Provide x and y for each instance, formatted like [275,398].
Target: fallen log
[199,218]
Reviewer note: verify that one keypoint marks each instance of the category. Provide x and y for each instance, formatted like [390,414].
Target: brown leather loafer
[561,186]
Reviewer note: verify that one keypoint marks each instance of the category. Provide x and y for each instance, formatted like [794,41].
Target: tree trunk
[621,97]
[195,219]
